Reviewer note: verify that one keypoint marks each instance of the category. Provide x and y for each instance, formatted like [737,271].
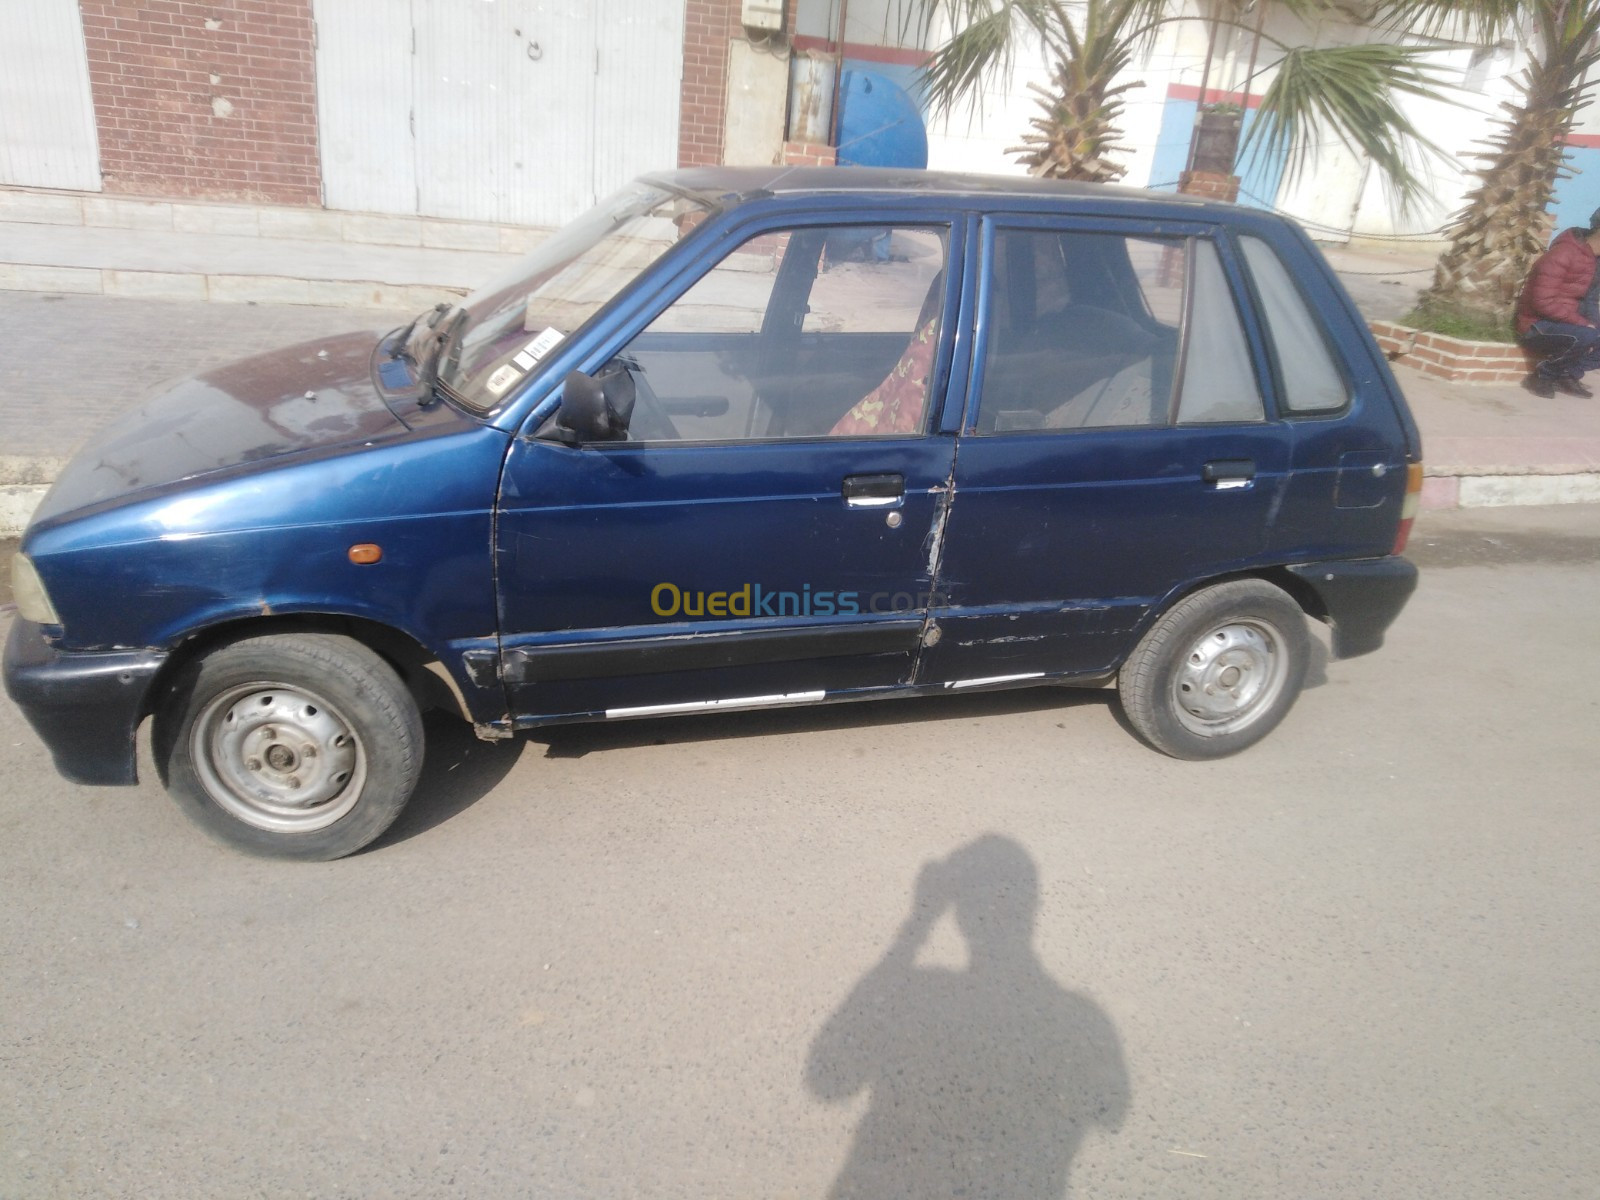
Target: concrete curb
[42,206]
[225,289]
[24,480]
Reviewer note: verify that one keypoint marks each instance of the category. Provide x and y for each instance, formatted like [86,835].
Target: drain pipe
[838,79]
[1200,105]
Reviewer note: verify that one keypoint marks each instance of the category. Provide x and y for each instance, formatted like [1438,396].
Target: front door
[766,531]
[1116,448]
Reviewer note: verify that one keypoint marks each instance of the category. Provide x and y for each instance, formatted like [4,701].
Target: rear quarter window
[1309,378]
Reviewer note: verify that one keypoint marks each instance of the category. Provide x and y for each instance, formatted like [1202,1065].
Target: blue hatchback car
[733,439]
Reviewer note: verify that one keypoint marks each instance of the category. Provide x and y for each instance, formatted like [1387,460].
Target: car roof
[728,186]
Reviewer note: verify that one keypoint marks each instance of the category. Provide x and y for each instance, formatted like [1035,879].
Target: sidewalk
[173,265]
[86,342]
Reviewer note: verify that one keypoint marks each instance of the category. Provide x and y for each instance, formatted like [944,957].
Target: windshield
[518,318]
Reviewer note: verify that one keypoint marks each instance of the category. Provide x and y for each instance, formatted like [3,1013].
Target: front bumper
[85,705]
[1360,598]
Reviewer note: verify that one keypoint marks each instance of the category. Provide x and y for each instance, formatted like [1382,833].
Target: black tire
[1218,671]
[299,746]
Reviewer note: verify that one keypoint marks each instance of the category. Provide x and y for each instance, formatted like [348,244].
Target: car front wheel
[1218,671]
[301,746]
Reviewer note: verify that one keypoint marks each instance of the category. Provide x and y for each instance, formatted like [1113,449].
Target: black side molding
[704,651]
[1360,596]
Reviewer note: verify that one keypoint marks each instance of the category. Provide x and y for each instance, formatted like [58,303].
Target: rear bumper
[85,706]
[1359,597]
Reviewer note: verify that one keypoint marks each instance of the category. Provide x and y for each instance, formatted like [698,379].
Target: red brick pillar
[1211,184]
[809,154]
[708,27]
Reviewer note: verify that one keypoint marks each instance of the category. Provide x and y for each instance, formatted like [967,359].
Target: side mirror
[595,408]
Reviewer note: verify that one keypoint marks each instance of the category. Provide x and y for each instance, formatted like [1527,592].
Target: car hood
[317,394]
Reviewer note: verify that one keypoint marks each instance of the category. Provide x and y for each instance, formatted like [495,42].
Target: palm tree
[1089,44]
[1495,238]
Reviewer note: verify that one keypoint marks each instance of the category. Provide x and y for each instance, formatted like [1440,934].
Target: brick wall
[215,99]
[809,154]
[1210,184]
[1455,359]
[708,27]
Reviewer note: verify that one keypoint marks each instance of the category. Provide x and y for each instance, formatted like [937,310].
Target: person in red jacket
[1550,317]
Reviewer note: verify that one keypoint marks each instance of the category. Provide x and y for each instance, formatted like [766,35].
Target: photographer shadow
[983,1081]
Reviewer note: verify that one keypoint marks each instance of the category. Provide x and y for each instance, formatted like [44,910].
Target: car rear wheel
[301,746]
[1218,671]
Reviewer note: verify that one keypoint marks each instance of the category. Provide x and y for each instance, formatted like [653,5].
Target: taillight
[1409,506]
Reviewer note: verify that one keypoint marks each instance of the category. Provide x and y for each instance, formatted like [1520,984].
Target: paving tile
[113,212]
[226,219]
[41,208]
[257,289]
[310,223]
[229,254]
[26,277]
[520,241]
[138,345]
[155,285]
[460,235]
[387,231]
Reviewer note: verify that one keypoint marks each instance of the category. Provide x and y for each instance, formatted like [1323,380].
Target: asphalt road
[706,958]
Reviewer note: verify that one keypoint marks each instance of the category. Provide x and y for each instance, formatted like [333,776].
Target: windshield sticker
[502,379]
[538,348]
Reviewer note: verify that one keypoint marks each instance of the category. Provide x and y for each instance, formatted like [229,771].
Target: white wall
[47,129]
[1177,57]
[1484,82]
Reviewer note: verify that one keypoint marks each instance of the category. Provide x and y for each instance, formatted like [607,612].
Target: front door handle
[873,491]
[1225,473]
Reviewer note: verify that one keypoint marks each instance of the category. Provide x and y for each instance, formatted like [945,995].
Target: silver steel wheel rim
[278,758]
[1230,677]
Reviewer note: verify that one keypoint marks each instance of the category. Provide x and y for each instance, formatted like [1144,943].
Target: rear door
[1116,446]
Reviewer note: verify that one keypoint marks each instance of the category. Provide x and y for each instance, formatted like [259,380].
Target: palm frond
[983,42]
[1480,21]
[957,70]
[1352,92]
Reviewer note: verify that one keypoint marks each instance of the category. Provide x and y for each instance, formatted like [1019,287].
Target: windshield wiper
[444,341]
[402,347]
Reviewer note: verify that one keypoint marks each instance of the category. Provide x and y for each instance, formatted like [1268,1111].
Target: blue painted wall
[1578,196]
[1258,174]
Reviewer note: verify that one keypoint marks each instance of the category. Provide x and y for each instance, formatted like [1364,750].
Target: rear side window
[1099,330]
[1311,382]
[1219,383]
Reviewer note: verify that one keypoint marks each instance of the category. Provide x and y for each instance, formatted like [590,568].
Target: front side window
[1100,330]
[816,332]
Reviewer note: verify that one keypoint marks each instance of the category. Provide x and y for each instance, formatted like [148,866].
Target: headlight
[33,602]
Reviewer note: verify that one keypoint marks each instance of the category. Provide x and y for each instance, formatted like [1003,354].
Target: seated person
[1550,318]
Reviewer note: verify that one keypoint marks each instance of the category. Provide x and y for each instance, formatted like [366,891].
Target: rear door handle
[873,491]
[1225,473]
